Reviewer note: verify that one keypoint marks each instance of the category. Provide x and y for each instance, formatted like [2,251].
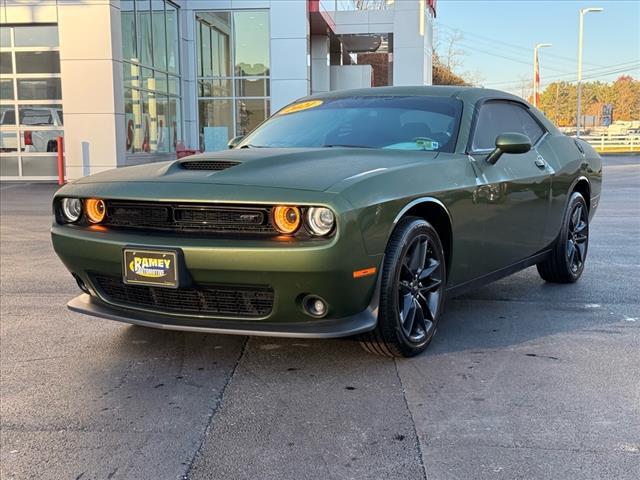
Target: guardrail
[614,143]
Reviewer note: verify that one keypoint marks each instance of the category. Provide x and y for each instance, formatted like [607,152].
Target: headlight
[71,209]
[320,220]
[286,219]
[95,209]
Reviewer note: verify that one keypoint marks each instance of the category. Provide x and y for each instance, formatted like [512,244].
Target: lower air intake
[237,301]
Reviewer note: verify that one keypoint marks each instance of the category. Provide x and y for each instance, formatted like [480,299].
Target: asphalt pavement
[525,380]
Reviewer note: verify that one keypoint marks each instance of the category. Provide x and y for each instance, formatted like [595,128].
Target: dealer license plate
[158,268]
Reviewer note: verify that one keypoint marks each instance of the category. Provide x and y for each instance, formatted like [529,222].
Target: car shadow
[523,309]
[510,312]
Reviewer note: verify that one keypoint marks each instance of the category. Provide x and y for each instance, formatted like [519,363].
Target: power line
[561,73]
[622,70]
[551,57]
[510,45]
[611,69]
[517,60]
[551,80]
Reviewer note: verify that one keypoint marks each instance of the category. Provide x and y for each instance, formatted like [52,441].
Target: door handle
[540,163]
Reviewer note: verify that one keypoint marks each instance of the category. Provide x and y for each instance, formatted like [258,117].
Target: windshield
[392,122]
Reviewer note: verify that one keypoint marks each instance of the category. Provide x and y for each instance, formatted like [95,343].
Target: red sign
[432,6]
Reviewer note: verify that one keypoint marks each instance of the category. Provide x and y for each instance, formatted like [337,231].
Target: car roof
[468,94]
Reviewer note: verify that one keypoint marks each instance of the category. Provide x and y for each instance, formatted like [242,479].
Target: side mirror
[235,141]
[509,143]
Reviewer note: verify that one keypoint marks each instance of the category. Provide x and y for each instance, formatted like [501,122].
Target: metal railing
[614,143]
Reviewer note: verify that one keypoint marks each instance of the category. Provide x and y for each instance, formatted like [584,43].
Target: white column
[92,91]
[290,69]
[427,72]
[188,65]
[411,48]
[320,72]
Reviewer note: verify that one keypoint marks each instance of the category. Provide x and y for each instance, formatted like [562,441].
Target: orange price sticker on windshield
[298,107]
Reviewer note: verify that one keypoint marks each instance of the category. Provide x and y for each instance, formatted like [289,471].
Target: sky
[497,39]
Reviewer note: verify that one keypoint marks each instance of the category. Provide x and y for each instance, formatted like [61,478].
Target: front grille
[238,301]
[190,218]
[210,165]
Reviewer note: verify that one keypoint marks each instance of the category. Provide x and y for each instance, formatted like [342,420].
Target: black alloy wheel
[419,289]
[412,291]
[578,237]
[568,255]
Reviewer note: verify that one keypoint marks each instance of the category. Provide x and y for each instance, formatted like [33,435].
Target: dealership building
[134,81]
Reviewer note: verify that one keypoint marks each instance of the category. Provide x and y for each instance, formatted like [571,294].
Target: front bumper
[292,269]
[342,327]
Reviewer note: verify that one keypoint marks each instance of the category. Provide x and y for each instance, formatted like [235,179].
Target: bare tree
[454,56]
[449,56]
[526,86]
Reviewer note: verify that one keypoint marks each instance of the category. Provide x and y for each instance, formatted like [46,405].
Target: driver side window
[497,117]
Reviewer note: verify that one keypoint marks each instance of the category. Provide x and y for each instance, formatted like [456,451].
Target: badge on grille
[251,218]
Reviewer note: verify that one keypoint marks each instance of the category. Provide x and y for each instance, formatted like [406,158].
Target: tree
[626,98]
[442,75]
[447,58]
[559,100]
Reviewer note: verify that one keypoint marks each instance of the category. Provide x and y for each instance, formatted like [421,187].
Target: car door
[512,196]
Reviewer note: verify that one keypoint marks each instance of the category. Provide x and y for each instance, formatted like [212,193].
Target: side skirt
[497,275]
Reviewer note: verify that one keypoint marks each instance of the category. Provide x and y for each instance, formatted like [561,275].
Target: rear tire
[412,291]
[569,252]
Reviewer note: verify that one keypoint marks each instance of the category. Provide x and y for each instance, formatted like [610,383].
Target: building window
[31,118]
[233,74]
[152,102]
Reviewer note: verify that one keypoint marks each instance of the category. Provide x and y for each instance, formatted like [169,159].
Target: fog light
[314,306]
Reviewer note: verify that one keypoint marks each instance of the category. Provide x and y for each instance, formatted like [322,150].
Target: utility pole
[583,11]
[555,110]
[536,72]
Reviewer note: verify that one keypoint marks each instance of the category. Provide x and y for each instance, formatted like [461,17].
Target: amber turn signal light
[364,273]
[286,219]
[95,210]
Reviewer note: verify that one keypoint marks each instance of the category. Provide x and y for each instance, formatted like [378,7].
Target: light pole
[583,11]
[536,71]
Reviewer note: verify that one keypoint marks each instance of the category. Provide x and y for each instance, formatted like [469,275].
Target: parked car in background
[35,139]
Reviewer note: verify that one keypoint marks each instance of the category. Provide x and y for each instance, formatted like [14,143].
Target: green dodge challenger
[351,213]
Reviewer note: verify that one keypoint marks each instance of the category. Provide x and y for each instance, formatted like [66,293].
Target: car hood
[315,169]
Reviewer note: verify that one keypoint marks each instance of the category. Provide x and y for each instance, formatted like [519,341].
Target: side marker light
[367,272]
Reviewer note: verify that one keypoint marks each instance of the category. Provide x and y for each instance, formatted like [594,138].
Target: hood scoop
[208,165]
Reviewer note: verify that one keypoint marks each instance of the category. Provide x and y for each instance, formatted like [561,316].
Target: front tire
[569,252]
[412,291]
